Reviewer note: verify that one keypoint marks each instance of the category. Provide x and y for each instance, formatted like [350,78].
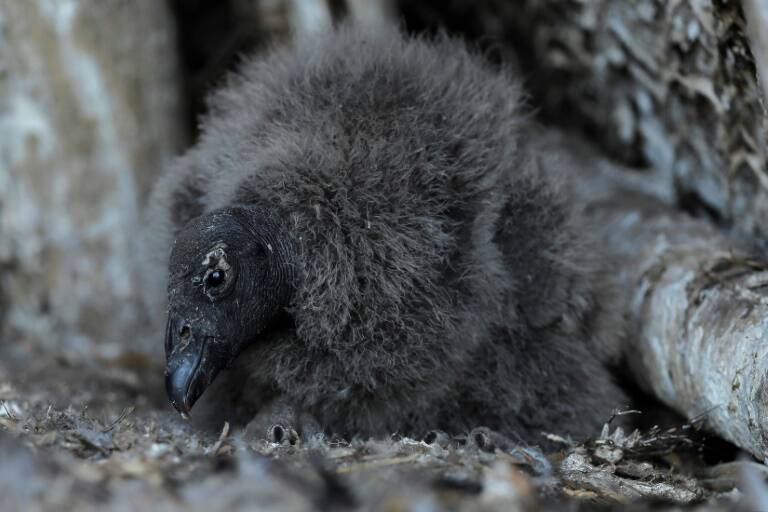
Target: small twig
[8,412]
[224,433]
[617,412]
[128,410]
[558,439]
[701,416]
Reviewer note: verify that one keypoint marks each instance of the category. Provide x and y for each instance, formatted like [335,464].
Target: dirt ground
[93,434]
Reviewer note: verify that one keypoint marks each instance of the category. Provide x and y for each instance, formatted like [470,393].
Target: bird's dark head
[231,274]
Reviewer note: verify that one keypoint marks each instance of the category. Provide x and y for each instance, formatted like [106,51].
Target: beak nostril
[185,332]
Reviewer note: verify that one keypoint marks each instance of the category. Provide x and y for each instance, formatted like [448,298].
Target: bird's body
[437,278]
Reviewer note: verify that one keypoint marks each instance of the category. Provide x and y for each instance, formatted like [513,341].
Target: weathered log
[89,113]
[697,300]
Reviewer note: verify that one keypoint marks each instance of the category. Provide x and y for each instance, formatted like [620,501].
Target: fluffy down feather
[444,280]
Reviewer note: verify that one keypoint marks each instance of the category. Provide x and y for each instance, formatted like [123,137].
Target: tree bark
[697,299]
[756,13]
[657,83]
[89,113]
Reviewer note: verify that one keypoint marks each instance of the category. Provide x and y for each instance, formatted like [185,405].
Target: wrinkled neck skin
[267,228]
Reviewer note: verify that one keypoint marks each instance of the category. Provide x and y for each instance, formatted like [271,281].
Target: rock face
[88,114]
[667,84]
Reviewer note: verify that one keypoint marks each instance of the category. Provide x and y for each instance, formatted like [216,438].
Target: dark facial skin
[231,275]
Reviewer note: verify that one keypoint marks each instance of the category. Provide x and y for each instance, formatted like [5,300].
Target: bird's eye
[215,278]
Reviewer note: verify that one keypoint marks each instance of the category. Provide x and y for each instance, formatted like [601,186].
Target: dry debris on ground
[90,435]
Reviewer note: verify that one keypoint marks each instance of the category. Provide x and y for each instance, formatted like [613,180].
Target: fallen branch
[578,473]
[698,300]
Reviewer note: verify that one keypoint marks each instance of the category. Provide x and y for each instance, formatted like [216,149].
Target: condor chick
[363,226]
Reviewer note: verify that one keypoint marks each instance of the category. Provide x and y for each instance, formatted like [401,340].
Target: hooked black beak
[190,366]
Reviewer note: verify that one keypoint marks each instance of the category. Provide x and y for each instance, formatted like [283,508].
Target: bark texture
[668,84]
[756,13]
[697,300]
[89,112]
